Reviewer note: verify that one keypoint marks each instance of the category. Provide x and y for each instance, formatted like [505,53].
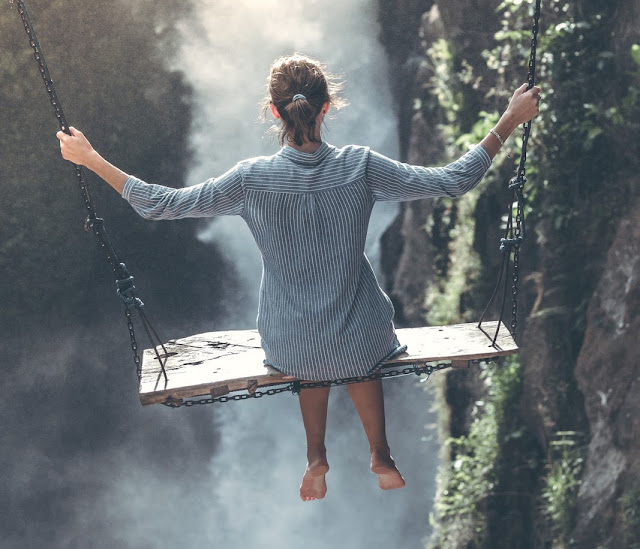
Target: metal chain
[296,386]
[521,178]
[124,280]
[134,343]
[178,403]
[518,182]
[91,221]
[514,292]
[516,233]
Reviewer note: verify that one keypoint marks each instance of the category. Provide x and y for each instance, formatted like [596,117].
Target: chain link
[134,344]
[178,403]
[296,386]
[514,292]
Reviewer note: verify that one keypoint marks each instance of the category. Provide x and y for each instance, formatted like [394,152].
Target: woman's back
[322,314]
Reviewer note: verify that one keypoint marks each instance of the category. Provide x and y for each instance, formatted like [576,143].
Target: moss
[562,483]
[630,515]
[443,301]
[470,481]
[496,481]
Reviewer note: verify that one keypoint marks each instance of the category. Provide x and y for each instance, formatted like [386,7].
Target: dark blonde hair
[298,74]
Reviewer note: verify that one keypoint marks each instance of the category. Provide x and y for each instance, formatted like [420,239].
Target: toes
[313,488]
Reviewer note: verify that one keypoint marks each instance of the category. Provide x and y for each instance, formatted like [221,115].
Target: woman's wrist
[507,124]
[107,171]
[93,160]
[522,108]
[499,134]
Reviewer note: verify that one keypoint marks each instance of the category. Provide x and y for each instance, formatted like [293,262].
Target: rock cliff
[577,414]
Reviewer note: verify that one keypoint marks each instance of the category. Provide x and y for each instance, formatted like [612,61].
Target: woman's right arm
[397,181]
[390,180]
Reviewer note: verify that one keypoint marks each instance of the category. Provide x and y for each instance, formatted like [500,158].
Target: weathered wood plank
[220,362]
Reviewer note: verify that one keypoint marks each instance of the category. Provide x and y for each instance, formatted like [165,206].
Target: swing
[218,363]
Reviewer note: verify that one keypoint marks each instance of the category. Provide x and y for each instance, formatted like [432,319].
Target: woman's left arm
[220,196]
[77,149]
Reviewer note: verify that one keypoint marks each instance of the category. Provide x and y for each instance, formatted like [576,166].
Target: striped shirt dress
[322,314]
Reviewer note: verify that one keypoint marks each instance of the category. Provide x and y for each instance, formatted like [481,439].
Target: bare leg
[368,400]
[313,405]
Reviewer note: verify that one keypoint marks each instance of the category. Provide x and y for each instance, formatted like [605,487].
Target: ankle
[380,448]
[316,452]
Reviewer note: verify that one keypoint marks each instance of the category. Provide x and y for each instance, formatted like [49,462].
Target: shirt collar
[308,159]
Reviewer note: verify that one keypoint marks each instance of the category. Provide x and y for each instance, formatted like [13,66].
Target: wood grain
[221,362]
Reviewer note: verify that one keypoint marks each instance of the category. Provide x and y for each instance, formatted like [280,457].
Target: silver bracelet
[497,136]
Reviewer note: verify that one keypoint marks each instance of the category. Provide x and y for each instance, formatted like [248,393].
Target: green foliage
[635,53]
[442,299]
[583,148]
[562,482]
[486,121]
[441,99]
[579,150]
[630,515]
[449,97]
[440,60]
[471,477]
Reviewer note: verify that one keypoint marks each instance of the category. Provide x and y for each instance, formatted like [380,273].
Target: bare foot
[382,464]
[313,484]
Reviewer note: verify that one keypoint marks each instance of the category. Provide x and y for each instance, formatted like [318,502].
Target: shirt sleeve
[392,180]
[223,195]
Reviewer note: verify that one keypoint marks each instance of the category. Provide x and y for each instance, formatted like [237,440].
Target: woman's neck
[306,147]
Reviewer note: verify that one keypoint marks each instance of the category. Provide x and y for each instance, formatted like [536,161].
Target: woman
[322,314]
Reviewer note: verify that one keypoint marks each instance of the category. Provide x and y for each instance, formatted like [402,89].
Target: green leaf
[635,53]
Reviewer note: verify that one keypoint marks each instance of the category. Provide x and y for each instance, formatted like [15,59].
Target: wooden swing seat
[217,363]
